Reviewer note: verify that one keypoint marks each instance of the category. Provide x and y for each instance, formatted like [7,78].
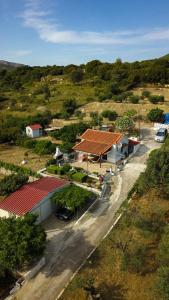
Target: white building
[34,197]
[34,131]
[108,146]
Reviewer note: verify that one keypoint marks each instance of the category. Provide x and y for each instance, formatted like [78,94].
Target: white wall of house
[114,155]
[33,133]
[6,214]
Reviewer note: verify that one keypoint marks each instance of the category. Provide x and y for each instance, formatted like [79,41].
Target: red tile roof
[97,142]
[92,147]
[23,200]
[35,126]
[98,136]
[133,142]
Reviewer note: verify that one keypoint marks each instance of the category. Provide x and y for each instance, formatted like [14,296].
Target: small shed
[34,131]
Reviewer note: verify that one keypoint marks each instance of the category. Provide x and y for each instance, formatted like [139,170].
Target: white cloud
[19,53]
[40,20]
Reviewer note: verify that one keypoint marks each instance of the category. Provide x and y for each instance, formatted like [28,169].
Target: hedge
[17,169]
[79,177]
[53,169]
[59,170]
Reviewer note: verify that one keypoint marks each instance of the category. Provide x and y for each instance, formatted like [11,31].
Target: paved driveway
[69,246]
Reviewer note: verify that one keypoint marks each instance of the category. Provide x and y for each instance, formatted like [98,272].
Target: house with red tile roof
[34,131]
[108,146]
[34,197]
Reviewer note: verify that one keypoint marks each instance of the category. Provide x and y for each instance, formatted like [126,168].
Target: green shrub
[111,115]
[53,169]
[17,169]
[134,260]
[79,177]
[134,99]
[29,143]
[66,168]
[146,94]
[59,170]
[155,115]
[11,183]
[50,162]
[44,147]
[155,99]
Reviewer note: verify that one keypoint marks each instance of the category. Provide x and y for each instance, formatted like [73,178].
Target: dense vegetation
[72,197]
[68,134]
[12,128]
[156,173]
[11,183]
[26,86]
[17,169]
[22,241]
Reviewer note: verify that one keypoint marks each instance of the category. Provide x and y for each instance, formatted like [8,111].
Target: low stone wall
[30,274]
[96,191]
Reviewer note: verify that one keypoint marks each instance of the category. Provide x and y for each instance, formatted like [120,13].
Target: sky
[61,32]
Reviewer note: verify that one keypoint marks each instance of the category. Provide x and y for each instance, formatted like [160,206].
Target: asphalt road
[68,247]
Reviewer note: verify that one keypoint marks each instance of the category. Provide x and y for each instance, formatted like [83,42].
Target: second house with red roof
[101,145]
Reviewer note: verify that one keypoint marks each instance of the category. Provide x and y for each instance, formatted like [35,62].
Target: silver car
[161,135]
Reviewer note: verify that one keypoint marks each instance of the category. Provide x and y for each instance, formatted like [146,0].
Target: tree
[12,183]
[134,99]
[22,241]
[155,99]
[96,118]
[130,113]
[69,106]
[109,114]
[44,147]
[156,173]
[134,259]
[155,115]
[146,94]
[124,124]
[46,92]
[77,76]
[72,197]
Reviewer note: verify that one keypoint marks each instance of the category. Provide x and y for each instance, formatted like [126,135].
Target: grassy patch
[15,155]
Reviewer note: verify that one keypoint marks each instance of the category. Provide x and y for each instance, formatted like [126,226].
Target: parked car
[64,214]
[161,135]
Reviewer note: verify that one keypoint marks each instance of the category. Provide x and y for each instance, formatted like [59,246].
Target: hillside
[6,65]
[35,89]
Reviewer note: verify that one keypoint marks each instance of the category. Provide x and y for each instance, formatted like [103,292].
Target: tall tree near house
[22,241]
[124,124]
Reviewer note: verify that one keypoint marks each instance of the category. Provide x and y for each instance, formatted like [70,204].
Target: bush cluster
[11,183]
[75,175]
[79,177]
[39,147]
[17,169]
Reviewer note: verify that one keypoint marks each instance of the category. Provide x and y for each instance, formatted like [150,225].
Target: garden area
[76,174]
[15,155]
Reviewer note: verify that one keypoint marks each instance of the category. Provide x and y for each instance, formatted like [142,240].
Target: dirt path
[68,248]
